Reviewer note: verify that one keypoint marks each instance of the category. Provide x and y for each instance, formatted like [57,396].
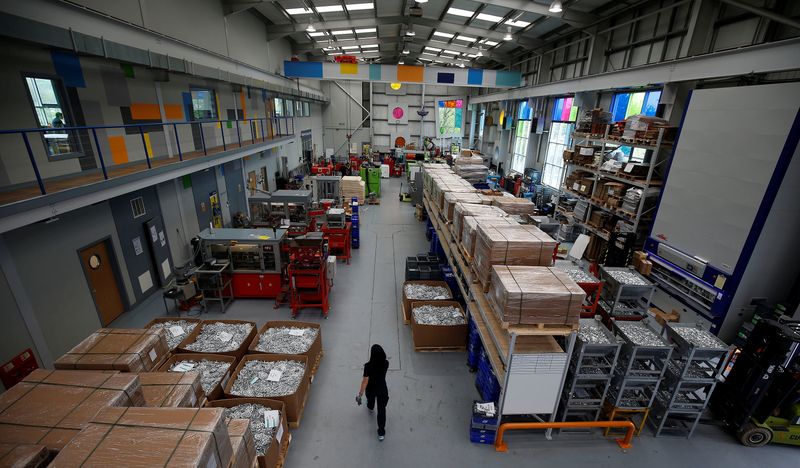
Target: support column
[700,28]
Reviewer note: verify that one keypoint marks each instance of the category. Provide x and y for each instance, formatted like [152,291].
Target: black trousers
[383,400]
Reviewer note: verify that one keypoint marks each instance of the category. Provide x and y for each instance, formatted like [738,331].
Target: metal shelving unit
[590,372]
[640,367]
[656,157]
[692,374]
[625,300]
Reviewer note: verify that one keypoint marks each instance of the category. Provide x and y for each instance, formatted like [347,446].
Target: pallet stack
[353,187]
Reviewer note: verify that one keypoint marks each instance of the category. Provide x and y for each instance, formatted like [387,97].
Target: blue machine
[728,220]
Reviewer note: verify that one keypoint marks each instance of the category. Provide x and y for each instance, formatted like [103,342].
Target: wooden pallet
[539,326]
[373,201]
[637,179]
[440,349]
[406,315]
[295,425]
[283,452]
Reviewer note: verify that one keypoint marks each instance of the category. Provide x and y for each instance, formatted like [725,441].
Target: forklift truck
[760,398]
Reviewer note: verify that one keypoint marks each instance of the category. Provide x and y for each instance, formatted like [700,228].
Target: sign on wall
[398,114]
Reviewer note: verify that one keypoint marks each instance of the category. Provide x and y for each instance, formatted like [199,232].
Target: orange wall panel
[145,112]
[410,73]
[173,111]
[119,152]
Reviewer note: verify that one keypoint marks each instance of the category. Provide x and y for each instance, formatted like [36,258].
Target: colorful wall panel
[403,74]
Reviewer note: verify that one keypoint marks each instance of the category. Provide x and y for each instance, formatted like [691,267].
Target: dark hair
[377,355]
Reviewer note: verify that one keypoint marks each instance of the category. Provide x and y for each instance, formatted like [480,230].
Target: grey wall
[46,258]
[203,183]
[129,228]
[235,187]
[14,336]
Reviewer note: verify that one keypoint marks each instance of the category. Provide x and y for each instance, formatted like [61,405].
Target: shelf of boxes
[657,155]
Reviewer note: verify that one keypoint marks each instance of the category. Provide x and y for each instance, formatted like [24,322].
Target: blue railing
[51,149]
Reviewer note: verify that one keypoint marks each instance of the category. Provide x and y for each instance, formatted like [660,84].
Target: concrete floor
[431,393]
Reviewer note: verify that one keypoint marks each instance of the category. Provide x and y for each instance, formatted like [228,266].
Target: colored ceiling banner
[68,68]
[404,74]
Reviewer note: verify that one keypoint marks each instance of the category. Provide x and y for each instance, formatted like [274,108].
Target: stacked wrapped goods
[514,205]
[535,295]
[353,187]
[501,245]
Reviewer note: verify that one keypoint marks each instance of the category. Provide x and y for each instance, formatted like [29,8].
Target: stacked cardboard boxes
[462,210]
[514,205]
[470,228]
[451,198]
[518,245]
[127,350]
[534,295]
[353,187]
[172,389]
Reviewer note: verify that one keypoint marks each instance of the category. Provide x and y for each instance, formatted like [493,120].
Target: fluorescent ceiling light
[410,32]
[334,53]
[350,47]
[472,55]
[453,52]
[299,11]
[406,51]
[460,12]
[443,34]
[429,53]
[366,30]
[518,23]
[342,31]
[401,62]
[433,49]
[421,1]
[329,8]
[489,43]
[317,34]
[311,28]
[359,6]
[466,38]
[485,17]
[555,7]
[369,46]
[508,36]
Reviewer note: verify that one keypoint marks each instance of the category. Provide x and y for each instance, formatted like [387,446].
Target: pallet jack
[760,398]
[404,196]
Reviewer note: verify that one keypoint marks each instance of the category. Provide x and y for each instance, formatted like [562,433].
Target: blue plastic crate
[355,243]
[481,436]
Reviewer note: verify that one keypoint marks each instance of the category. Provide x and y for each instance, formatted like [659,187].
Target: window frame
[518,159]
[66,109]
[557,154]
[214,111]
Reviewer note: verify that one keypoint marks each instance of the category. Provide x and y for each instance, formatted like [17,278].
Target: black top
[377,378]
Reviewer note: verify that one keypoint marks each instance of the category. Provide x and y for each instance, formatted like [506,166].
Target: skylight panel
[329,8]
[487,17]
[299,11]
[460,12]
[366,30]
[359,6]
[342,32]
[466,38]
[443,34]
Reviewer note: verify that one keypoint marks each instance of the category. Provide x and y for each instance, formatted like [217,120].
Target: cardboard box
[514,205]
[172,319]
[127,350]
[438,336]
[511,245]
[470,230]
[171,389]
[451,198]
[313,352]
[663,317]
[151,437]
[281,438]
[50,407]
[294,403]
[237,353]
[242,443]
[407,300]
[23,455]
[464,209]
[534,295]
[216,393]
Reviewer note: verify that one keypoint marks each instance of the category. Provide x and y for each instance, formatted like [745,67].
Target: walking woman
[374,384]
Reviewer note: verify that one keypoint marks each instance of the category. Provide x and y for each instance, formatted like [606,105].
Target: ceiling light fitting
[311,28]
[508,36]
[406,51]
[555,7]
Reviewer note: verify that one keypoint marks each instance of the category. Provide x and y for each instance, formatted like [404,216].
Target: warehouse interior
[570,226]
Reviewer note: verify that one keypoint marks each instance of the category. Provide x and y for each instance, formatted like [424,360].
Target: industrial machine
[285,209]
[254,256]
[308,273]
[760,398]
[326,188]
[337,232]
[722,230]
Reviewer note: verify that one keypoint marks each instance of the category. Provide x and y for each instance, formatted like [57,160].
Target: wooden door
[102,280]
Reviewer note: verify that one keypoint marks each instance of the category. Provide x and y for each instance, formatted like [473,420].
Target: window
[450,115]
[298,109]
[203,104]
[554,161]
[47,100]
[563,110]
[625,105]
[278,107]
[307,109]
[137,206]
[289,108]
[522,136]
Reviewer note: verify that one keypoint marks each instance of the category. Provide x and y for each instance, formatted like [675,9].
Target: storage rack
[656,157]
[692,375]
[522,357]
[624,301]
[214,281]
[639,371]
[592,286]
[590,372]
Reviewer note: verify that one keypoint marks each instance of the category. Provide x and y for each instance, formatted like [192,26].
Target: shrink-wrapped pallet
[172,389]
[472,172]
[353,186]
[451,198]
[469,230]
[510,245]
[468,160]
[127,350]
[514,205]
[534,295]
[151,437]
[460,210]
